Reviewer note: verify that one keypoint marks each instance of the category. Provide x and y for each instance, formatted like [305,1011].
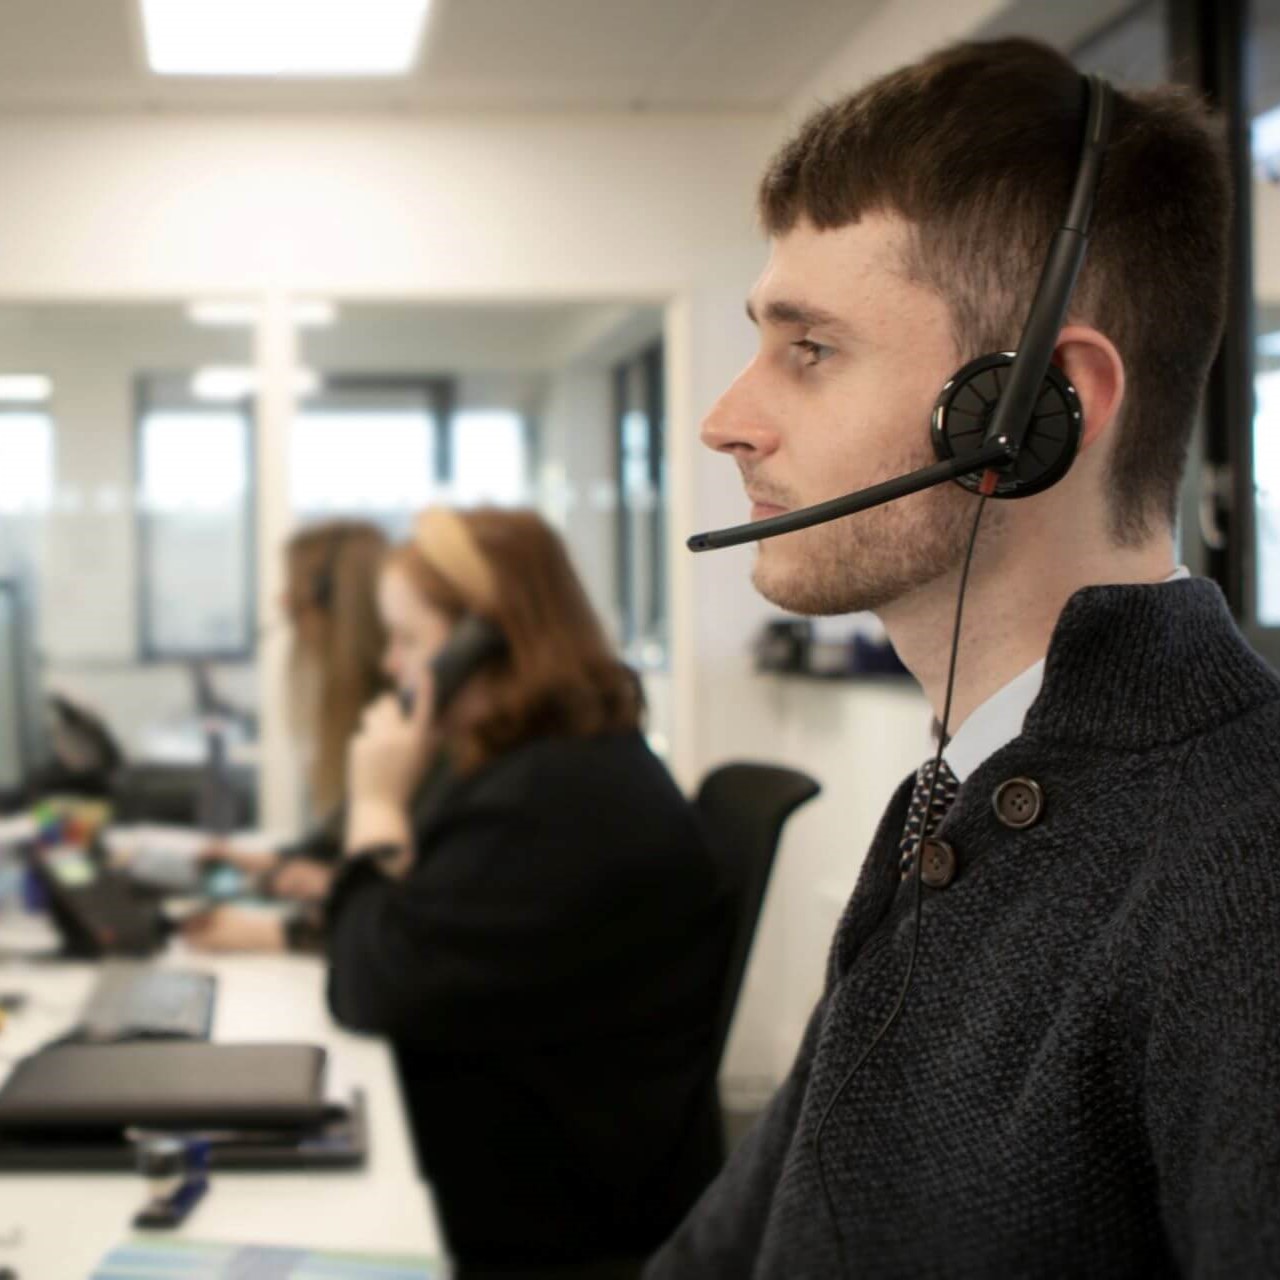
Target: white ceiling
[718,55]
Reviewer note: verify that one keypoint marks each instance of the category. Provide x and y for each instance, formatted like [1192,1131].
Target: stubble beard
[869,560]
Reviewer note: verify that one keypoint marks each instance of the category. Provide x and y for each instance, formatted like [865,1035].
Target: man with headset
[1047,1043]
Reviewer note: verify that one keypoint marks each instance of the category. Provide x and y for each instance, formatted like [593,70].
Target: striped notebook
[149,1259]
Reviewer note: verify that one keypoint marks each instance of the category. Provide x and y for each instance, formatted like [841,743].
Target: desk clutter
[141,1088]
[56,860]
[110,890]
[139,1061]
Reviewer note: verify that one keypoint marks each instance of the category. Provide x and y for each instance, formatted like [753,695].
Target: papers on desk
[18,829]
[27,937]
[182,1260]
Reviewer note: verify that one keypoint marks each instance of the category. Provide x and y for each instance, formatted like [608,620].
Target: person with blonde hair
[335,671]
[529,911]
[338,642]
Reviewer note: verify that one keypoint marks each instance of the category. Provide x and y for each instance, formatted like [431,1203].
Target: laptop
[262,1106]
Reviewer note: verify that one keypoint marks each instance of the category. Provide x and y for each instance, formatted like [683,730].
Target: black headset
[1007,425]
[324,581]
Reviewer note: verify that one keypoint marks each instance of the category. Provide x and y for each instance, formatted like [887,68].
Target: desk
[67,1222]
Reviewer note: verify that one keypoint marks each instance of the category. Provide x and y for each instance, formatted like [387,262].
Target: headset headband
[445,542]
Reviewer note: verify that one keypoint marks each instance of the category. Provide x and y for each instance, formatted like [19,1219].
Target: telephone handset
[473,643]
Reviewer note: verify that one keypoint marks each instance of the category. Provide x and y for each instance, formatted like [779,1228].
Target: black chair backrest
[743,808]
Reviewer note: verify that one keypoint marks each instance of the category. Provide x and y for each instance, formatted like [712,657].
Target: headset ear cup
[963,411]
[323,584]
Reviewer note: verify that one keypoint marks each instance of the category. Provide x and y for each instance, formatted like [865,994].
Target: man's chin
[790,587]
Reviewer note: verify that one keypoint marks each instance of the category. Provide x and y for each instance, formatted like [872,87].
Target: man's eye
[812,352]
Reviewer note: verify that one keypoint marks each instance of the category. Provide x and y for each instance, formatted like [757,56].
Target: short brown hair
[331,576]
[559,677]
[976,147]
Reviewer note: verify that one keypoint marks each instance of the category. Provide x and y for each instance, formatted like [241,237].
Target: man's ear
[1093,366]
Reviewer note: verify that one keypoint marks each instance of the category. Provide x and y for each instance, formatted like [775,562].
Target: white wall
[898,32]
[489,206]
[1266,241]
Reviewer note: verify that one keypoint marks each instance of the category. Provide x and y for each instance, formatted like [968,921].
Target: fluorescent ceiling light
[230,313]
[25,388]
[224,383]
[225,313]
[313,313]
[282,37]
[235,382]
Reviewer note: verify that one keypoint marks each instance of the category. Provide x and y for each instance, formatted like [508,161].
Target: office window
[195,513]
[1264,154]
[490,454]
[1266,479]
[383,448]
[370,448]
[26,461]
[26,483]
[641,529]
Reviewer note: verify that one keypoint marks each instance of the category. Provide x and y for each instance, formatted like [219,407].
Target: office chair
[743,808]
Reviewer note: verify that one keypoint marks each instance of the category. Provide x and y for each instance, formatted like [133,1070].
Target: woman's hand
[385,763]
[235,929]
[389,755]
[251,862]
[302,879]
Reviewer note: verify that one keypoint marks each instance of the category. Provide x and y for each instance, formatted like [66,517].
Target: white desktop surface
[58,1226]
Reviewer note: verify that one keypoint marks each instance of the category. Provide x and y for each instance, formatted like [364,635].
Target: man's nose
[738,422]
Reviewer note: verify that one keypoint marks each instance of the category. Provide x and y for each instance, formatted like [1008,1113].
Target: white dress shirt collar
[999,719]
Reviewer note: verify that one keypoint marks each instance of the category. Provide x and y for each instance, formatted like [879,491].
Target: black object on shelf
[783,645]
[869,657]
[794,646]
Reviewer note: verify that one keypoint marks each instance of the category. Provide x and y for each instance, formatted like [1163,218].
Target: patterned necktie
[917,828]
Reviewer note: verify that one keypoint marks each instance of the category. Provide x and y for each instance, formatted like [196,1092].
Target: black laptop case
[169,1085]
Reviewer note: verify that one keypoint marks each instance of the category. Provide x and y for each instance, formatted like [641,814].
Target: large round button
[937,863]
[1018,803]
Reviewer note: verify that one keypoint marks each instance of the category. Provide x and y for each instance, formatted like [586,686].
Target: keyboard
[136,1002]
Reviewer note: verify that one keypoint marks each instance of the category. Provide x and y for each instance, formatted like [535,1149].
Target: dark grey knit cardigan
[1085,1079]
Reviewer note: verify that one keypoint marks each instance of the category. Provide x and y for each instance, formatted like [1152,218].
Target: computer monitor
[24,731]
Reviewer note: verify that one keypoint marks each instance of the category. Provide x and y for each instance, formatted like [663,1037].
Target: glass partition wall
[156,455]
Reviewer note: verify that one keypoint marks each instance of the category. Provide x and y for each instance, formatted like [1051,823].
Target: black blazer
[549,972]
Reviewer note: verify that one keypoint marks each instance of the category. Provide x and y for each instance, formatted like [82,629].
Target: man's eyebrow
[780,311]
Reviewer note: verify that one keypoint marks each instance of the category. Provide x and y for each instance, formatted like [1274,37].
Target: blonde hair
[338,643]
[559,676]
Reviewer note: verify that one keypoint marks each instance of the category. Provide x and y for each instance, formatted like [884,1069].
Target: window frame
[638,620]
[150,653]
